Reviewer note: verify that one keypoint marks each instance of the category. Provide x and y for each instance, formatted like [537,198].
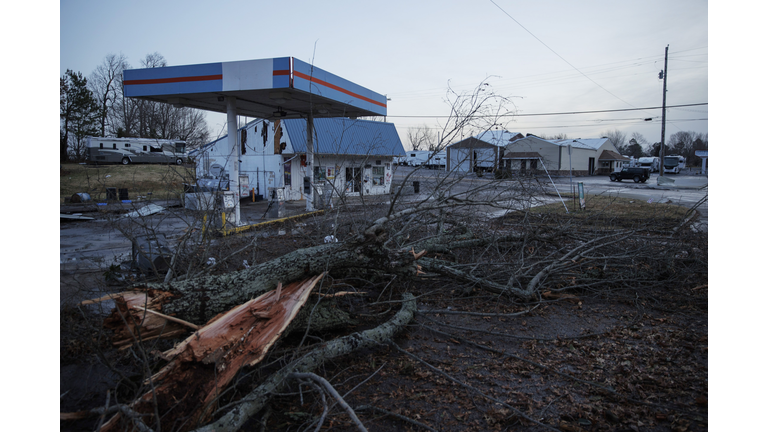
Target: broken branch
[332,391]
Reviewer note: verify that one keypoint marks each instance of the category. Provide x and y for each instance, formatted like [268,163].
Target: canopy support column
[234,155]
[310,195]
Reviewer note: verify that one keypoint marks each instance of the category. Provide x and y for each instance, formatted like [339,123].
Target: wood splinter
[169,318]
[418,255]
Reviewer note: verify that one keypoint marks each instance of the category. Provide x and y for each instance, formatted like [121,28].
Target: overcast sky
[547,56]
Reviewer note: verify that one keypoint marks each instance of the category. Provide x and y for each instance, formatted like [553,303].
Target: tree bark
[200,299]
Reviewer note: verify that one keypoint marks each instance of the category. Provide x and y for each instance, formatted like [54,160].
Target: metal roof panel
[346,136]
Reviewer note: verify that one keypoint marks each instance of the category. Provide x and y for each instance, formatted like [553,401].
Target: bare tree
[559,136]
[422,138]
[127,117]
[685,143]
[106,85]
[617,138]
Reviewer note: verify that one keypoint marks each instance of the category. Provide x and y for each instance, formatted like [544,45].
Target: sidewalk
[684,182]
[668,182]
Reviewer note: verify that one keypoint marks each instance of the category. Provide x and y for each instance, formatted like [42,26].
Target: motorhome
[651,163]
[631,162]
[134,150]
[673,164]
[426,158]
[436,160]
[416,157]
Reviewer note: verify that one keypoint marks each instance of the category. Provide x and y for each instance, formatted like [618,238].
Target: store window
[378,175]
[320,173]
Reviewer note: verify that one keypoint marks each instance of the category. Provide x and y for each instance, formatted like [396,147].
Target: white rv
[673,164]
[649,162]
[416,157]
[436,160]
[429,159]
[134,150]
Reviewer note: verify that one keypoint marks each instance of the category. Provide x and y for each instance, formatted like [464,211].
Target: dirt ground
[586,363]
[626,360]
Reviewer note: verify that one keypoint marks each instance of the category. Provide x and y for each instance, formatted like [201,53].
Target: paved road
[684,190]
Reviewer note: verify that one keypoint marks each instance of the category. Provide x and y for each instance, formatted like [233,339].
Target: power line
[606,123]
[558,55]
[557,113]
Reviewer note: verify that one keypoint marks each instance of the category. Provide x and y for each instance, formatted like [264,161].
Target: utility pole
[663,111]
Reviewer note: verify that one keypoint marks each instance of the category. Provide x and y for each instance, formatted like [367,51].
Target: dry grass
[158,181]
[610,211]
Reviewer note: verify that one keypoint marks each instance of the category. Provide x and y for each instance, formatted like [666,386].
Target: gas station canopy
[274,88]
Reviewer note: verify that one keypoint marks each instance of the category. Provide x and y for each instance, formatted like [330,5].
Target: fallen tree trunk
[205,363]
[200,299]
[197,301]
[257,399]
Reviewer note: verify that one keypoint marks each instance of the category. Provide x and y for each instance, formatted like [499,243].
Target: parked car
[637,174]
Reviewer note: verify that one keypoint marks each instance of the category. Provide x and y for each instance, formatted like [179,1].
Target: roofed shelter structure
[481,152]
[275,88]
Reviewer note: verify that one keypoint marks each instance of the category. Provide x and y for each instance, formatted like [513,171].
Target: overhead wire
[559,56]
[557,113]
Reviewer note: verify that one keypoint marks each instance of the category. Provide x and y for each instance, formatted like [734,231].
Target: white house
[350,157]
[579,156]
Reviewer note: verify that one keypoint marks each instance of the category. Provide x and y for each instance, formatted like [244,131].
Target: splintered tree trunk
[204,364]
[200,299]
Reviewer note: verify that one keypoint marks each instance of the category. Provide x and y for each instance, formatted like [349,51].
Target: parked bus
[134,150]
[651,163]
[673,164]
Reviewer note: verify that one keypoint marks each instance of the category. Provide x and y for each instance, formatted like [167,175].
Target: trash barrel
[111,194]
[123,194]
[80,197]
[415,187]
